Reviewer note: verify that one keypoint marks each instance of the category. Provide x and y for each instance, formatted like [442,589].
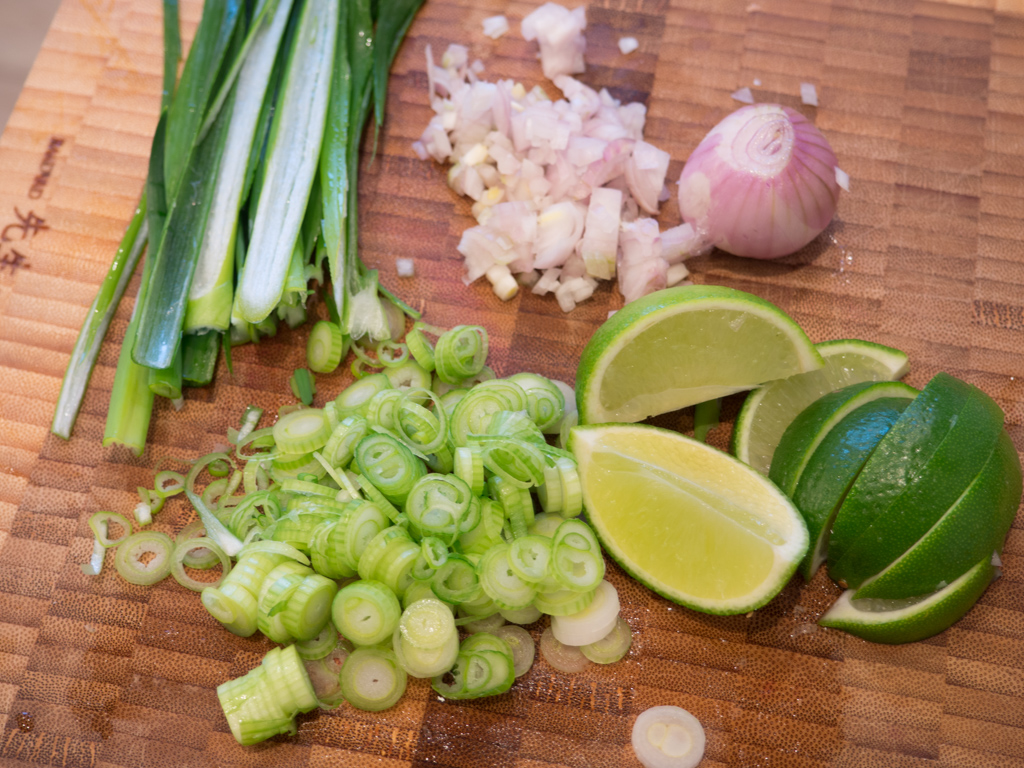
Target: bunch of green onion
[251,194]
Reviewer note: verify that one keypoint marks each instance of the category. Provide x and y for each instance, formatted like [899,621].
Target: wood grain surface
[924,105]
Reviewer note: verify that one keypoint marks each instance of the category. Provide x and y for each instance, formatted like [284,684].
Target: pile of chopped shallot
[563,190]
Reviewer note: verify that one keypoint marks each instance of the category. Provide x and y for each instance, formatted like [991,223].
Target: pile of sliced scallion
[252,187]
[367,532]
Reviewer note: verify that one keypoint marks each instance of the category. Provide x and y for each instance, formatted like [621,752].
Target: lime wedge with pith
[904,621]
[690,522]
[770,409]
[683,346]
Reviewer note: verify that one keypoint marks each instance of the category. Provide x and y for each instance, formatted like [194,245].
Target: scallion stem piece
[291,163]
[90,338]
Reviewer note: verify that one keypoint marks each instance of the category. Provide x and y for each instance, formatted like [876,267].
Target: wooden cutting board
[924,105]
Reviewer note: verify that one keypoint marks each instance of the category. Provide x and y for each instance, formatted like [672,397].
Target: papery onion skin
[761,184]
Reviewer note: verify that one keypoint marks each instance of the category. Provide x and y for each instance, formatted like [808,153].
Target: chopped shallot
[405,267]
[559,33]
[495,26]
[628,44]
[809,94]
[842,179]
[744,95]
[562,188]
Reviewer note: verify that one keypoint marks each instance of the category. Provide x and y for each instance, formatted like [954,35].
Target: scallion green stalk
[90,338]
[291,163]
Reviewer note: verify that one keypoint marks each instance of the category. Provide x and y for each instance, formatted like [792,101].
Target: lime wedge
[974,526]
[690,522]
[920,468]
[682,346]
[834,466]
[769,410]
[802,438]
[904,621]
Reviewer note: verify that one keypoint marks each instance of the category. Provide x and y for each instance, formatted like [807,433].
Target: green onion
[456,581]
[460,353]
[501,583]
[613,646]
[366,612]
[133,564]
[303,385]
[90,338]
[436,505]
[309,607]
[420,348]
[355,399]
[425,662]
[389,465]
[215,529]
[292,156]
[705,418]
[562,602]
[100,525]
[372,679]
[427,624]
[522,647]
[199,357]
[325,641]
[302,431]
[529,558]
[326,347]
[545,402]
[95,564]
[183,549]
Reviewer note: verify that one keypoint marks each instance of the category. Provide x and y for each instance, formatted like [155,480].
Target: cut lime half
[769,410]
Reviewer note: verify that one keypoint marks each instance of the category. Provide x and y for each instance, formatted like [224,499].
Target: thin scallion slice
[372,679]
[302,431]
[100,525]
[366,612]
[183,549]
[144,558]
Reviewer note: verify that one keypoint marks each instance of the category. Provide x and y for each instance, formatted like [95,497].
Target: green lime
[974,526]
[690,522]
[833,467]
[683,346]
[904,621]
[802,438]
[918,471]
[767,411]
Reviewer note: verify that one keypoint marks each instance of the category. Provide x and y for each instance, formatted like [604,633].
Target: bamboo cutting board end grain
[924,104]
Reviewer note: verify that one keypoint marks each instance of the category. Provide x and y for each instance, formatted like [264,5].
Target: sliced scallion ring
[100,525]
[302,431]
[613,646]
[522,646]
[183,549]
[144,558]
[170,483]
[668,737]
[366,612]
[372,679]
[325,347]
[564,658]
[592,623]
